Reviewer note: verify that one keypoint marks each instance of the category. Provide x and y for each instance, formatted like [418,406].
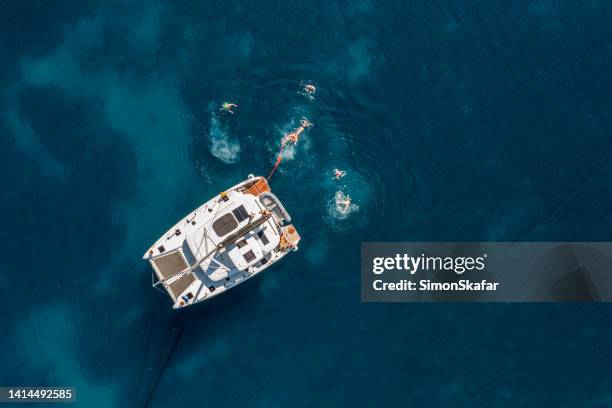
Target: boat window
[249,256]
[224,225]
[262,235]
[241,243]
[241,213]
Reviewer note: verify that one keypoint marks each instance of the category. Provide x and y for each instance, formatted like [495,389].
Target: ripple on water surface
[374,171]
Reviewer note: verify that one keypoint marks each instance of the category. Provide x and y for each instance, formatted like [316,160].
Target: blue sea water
[455,120]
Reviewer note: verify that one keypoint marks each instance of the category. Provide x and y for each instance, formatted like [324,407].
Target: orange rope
[278,160]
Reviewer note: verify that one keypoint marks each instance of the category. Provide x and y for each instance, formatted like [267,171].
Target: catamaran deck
[222,243]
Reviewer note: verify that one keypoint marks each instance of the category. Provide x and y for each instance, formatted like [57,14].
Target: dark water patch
[25,29]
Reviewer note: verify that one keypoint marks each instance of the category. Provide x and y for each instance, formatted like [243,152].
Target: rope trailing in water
[278,160]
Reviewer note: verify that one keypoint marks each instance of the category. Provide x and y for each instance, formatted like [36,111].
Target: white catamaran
[229,239]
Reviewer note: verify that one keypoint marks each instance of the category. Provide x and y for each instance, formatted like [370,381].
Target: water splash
[340,210]
[337,213]
[292,150]
[221,145]
[289,151]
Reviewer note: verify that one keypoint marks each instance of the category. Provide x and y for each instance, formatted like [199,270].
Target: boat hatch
[240,213]
[249,256]
[224,225]
[264,238]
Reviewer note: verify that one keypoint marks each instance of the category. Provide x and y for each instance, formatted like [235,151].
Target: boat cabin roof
[234,214]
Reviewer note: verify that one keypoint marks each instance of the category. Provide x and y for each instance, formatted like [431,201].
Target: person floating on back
[338,174]
[228,106]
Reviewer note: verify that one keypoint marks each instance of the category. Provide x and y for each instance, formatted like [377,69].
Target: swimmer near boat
[338,174]
[307,89]
[232,237]
[343,201]
[291,137]
[294,136]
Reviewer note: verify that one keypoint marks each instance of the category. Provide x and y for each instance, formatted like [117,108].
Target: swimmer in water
[294,136]
[310,89]
[227,107]
[343,203]
[338,174]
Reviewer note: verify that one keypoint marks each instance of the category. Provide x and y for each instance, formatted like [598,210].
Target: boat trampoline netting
[178,286]
[170,264]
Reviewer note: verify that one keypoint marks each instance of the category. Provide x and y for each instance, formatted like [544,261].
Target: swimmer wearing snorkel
[227,107]
[338,174]
[294,136]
